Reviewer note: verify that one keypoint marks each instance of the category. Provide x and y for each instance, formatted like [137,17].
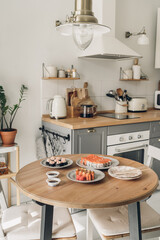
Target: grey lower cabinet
[90,140]
[155,141]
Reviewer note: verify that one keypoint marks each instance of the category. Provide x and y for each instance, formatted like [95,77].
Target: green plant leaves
[11,110]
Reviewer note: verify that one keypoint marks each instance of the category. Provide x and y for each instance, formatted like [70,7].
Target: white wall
[132,16]
[28,38]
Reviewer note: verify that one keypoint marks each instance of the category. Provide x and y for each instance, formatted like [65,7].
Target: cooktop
[117,116]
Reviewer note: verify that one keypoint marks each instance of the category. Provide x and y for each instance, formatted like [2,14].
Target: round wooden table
[109,192]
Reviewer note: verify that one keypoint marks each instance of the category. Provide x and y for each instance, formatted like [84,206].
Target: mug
[50,71]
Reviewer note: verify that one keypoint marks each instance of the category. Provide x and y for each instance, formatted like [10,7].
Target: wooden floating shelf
[134,79]
[56,78]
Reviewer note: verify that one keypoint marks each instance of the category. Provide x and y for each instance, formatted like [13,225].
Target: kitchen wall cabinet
[157,55]
[155,141]
[92,140]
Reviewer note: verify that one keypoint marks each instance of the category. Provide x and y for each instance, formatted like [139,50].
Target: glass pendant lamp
[82,24]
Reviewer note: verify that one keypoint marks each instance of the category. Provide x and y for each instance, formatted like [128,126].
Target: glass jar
[87,111]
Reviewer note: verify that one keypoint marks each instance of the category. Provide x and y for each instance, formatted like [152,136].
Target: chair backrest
[153,152]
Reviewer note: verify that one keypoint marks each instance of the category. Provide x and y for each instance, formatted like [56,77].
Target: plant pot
[8,137]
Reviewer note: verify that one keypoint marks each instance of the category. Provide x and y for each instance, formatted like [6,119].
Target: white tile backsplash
[49,88]
[101,76]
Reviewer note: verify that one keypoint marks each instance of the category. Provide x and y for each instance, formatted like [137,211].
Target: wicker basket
[3,168]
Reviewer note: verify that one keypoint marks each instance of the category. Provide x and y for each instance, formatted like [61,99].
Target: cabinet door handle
[91,130]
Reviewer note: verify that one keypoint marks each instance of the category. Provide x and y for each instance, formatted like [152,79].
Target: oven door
[135,151]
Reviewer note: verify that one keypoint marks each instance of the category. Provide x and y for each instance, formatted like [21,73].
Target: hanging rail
[55,134]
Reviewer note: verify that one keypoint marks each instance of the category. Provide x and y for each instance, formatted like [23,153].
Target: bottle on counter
[136,69]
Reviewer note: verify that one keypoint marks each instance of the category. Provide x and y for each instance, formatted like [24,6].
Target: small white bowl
[53,182]
[52,174]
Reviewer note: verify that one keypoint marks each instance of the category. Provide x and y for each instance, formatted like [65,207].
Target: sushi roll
[52,163]
[64,161]
[52,158]
[47,161]
[59,163]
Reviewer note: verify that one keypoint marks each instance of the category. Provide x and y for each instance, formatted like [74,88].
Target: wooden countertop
[97,121]
[109,192]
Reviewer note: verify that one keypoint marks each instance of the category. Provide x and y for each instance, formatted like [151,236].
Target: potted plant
[8,114]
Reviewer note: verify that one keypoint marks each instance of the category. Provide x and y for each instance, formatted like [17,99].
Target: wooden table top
[108,192]
[98,121]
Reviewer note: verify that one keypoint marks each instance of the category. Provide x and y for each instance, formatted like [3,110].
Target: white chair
[112,223]
[24,222]
[153,152]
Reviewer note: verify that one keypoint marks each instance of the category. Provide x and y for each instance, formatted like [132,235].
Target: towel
[40,148]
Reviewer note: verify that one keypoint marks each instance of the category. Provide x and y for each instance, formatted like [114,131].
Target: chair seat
[114,221]
[23,222]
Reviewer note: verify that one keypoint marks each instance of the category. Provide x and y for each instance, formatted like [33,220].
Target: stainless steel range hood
[106,46]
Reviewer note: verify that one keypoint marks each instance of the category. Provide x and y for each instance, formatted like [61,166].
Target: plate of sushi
[56,162]
[97,162]
[84,175]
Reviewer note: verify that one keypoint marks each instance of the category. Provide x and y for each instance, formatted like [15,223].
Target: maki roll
[64,161]
[52,163]
[47,161]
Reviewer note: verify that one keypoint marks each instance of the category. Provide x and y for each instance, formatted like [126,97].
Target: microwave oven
[157,100]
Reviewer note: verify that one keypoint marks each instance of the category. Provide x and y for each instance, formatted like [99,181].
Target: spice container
[68,73]
[61,73]
[74,73]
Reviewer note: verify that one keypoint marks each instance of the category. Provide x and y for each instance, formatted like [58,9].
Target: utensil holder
[121,107]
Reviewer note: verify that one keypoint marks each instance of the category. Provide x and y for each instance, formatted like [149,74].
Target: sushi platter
[97,162]
[56,162]
[98,176]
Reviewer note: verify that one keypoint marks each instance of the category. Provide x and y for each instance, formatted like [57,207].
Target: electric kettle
[57,107]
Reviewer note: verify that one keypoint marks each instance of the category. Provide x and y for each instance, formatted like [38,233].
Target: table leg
[46,222]
[134,221]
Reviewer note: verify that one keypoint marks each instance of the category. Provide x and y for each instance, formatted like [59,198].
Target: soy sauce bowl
[52,174]
[53,181]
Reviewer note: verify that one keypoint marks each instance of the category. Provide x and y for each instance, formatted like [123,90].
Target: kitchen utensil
[127,74]
[125,172]
[61,73]
[98,176]
[119,92]
[69,163]
[114,162]
[121,107]
[87,111]
[85,85]
[52,174]
[50,71]
[57,107]
[52,182]
[111,94]
[137,104]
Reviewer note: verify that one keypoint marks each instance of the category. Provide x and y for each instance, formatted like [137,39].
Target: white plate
[69,163]
[114,163]
[125,172]
[98,176]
